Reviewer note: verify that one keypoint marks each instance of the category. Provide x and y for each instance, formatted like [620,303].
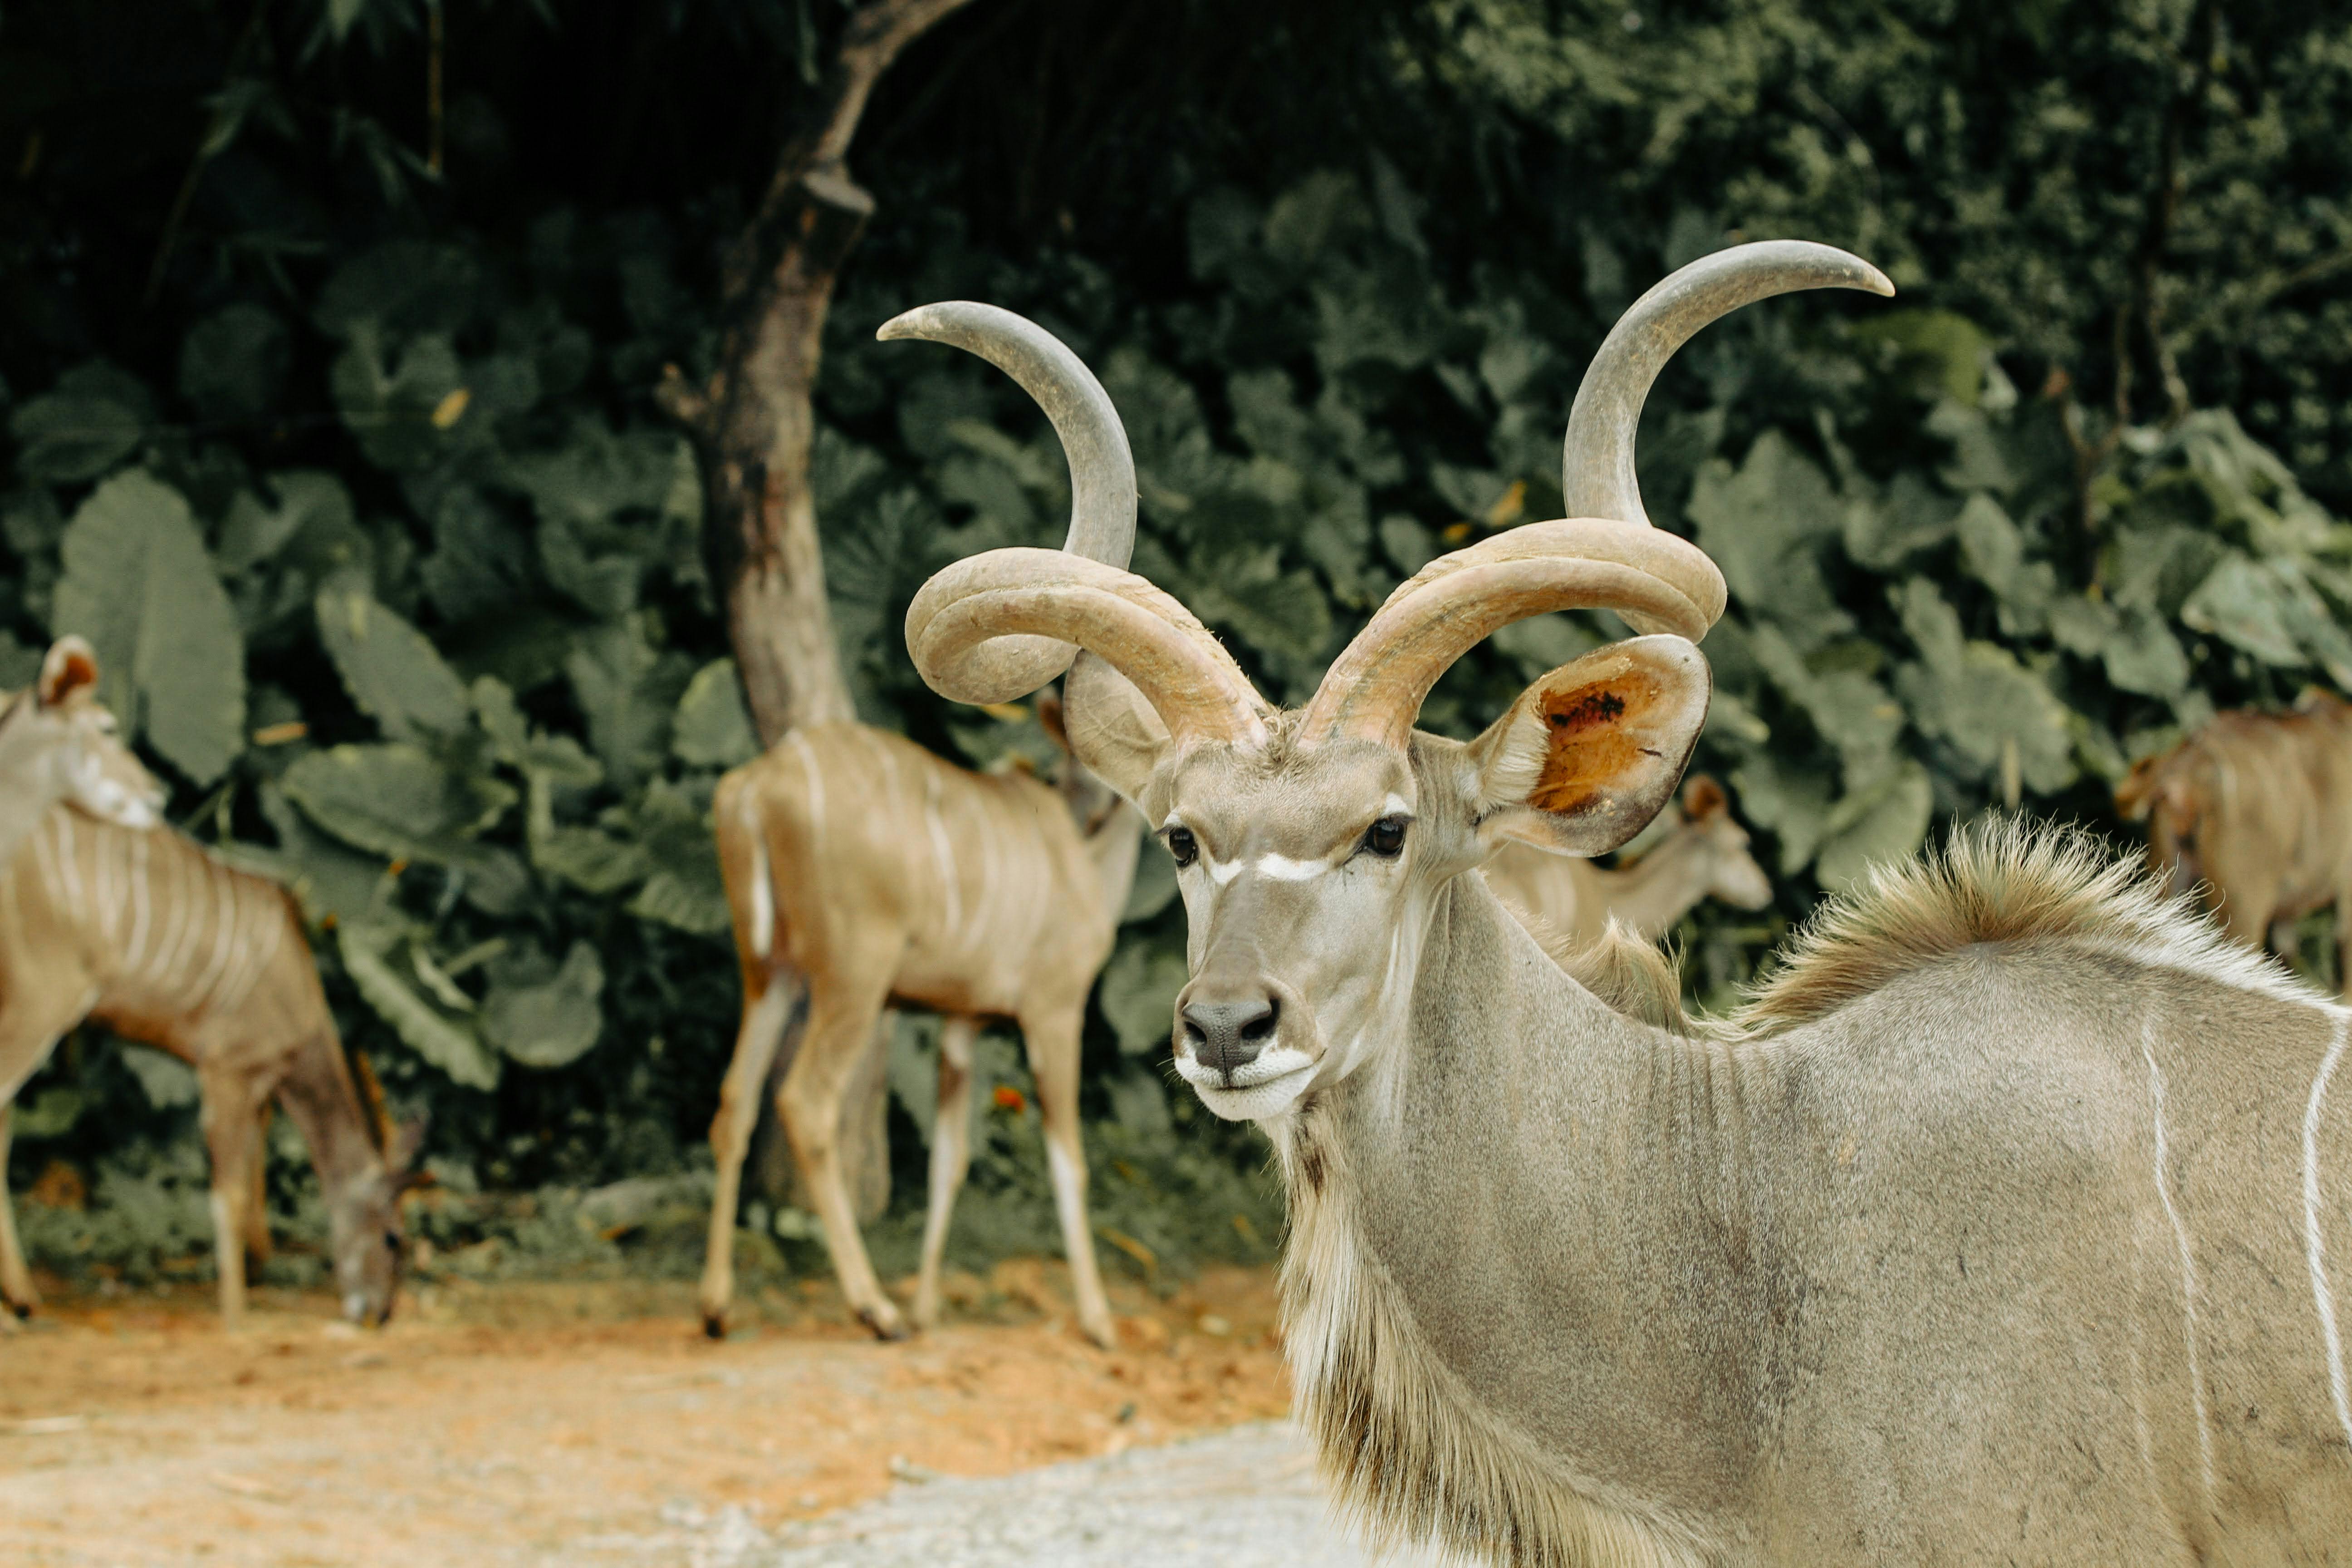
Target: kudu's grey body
[2007,1261]
[2008,1227]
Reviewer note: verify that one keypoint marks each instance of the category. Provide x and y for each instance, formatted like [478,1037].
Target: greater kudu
[861,869]
[137,928]
[2254,813]
[1567,901]
[2008,1229]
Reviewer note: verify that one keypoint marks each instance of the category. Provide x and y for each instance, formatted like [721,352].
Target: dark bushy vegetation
[332,424]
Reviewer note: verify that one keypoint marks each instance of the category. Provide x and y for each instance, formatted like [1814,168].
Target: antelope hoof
[714,1324]
[884,1321]
[1101,1333]
[20,1310]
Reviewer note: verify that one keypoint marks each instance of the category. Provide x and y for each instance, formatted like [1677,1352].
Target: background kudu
[2254,811]
[1566,902]
[105,914]
[860,869]
[2006,1226]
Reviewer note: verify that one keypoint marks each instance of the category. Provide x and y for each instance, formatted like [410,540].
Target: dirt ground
[524,1424]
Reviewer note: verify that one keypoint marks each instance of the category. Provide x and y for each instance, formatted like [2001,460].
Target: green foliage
[395,570]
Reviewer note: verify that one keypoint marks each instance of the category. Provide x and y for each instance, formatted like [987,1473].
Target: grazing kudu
[2255,811]
[1568,902]
[2008,1227]
[863,870]
[140,930]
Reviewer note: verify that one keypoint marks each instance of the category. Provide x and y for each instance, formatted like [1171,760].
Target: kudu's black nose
[1229,1035]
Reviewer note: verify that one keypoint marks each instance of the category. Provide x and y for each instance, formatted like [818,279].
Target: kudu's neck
[1659,888]
[1528,1168]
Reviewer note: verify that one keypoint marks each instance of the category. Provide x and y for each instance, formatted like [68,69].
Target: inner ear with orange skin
[1590,752]
[69,670]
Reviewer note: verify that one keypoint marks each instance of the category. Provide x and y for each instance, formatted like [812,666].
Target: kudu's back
[978,883]
[157,939]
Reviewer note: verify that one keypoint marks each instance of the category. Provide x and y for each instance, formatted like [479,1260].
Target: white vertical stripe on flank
[69,866]
[2188,1258]
[952,922]
[763,891]
[143,914]
[224,934]
[2315,1244]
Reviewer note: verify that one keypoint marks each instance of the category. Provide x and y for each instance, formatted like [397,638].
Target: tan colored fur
[144,933]
[2255,811]
[867,870]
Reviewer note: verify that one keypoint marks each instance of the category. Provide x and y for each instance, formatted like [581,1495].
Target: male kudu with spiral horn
[2008,1227]
[865,869]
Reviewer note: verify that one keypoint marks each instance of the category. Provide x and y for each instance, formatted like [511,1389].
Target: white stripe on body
[186,932]
[895,805]
[763,892]
[224,935]
[951,918]
[254,956]
[2188,1260]
[2315,1244]
[142,901]
[68,871]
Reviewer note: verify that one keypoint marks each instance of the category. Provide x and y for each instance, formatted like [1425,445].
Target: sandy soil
[543,1423]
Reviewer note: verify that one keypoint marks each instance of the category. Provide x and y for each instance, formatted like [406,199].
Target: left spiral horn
[1102,467]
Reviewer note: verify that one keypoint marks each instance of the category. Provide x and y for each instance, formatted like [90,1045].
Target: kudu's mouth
[1247,1058]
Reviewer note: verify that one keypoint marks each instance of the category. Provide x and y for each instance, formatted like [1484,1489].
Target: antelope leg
[842,1007]
[22,1051]
[257,1198]
[229,1118]
[15,1280]
[756,1041]
[951,1158]
[1053,1042]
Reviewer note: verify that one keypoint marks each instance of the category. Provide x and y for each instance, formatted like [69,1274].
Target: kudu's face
[1316,848]
[58,745]
[1310,875]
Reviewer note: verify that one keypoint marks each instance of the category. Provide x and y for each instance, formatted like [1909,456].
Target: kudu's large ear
[1108,726]
[68,671]
[1590,752]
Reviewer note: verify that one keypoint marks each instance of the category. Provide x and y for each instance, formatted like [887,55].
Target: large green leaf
[1876,826]
[711,727]
[139,586]
[541,1019]
[449,1044]
[400,801]
[390,669]
[628,690]
[1138,995]
[95,417]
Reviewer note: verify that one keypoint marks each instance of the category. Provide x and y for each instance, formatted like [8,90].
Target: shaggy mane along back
[1999,881]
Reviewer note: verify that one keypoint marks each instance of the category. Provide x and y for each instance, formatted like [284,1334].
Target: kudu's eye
[1183,846]
[1385,837]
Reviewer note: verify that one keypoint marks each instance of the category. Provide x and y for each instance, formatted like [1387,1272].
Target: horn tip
[1874,281]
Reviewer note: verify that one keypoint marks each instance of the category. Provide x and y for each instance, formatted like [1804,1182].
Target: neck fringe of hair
[2000,879]
[1412,1456]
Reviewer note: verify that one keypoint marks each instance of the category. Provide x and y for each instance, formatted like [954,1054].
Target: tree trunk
[752,427]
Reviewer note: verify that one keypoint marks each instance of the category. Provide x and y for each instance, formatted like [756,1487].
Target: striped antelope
[1567,901]
[863,870]
[144,933]
[2008,1226]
